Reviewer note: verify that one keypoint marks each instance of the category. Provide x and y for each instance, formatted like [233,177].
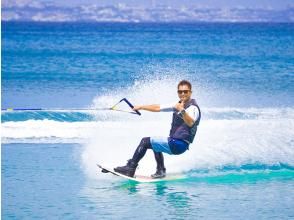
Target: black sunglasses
[183,91]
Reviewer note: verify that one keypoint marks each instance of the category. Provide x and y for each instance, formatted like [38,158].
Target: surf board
[141,178]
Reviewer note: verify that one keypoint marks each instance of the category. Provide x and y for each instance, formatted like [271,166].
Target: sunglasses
[183,91]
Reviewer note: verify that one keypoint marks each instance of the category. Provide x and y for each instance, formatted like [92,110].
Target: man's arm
[186,117]
[151,108]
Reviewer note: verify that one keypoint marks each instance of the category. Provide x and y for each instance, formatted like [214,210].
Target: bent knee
[146,142]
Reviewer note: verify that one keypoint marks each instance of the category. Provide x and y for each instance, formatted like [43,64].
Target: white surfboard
[141,178]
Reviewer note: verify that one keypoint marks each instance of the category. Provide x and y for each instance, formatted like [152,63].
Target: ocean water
[240,166]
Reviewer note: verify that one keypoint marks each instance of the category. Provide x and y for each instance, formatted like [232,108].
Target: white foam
[265,136]
[251,135]
[218,142]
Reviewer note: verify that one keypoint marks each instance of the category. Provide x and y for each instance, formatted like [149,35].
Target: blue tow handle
[130,104]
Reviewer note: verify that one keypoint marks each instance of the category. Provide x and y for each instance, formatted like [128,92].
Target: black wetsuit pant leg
[141,149]
[159,160]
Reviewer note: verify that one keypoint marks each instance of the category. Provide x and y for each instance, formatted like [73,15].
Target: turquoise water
[239,167]
[46,181]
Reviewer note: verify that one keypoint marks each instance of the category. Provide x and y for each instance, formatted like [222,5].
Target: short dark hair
[185,82]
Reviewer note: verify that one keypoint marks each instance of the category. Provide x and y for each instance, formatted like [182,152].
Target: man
[186,118]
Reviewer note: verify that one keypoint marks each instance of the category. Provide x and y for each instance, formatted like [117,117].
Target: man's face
[184,93]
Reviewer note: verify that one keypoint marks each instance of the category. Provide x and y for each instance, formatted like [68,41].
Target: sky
[267,4]
[148,10]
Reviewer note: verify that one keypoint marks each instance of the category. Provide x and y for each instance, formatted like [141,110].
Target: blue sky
[273,4]
[138,10]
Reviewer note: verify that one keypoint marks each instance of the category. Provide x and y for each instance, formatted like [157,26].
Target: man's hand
[137,107]
[187,119]
[179,106]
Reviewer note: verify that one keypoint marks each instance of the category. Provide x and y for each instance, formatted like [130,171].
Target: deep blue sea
[240,166]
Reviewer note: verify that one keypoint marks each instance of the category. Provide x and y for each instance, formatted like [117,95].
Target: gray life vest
[179,129]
